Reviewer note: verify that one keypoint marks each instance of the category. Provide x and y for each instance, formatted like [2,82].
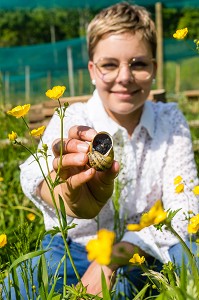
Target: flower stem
[190,256]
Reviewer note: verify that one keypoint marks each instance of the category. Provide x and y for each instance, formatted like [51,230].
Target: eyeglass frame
[129,65]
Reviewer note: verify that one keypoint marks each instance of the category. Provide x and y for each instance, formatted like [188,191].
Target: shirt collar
[148,118]
[102,122]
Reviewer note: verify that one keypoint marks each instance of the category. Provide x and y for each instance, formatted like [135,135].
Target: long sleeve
[178,159]
[31,174]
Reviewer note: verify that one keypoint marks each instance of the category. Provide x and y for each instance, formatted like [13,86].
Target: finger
[77,180]
[108,176]
[83,133]
[70,160]
[69,146]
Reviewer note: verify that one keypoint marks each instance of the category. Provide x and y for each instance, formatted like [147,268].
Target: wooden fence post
[158,15]
[70,71]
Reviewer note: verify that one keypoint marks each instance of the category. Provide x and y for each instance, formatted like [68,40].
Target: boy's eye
[109,66]
[138,65]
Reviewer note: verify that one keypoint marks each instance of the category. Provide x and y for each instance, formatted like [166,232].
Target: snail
[101,152]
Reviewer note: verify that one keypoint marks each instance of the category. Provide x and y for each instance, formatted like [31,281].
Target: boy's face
[124,93]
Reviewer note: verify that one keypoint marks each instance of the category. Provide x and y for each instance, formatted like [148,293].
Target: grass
[15,207]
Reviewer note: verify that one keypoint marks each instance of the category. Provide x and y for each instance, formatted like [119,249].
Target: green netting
[95,4]
[26,72]
[44,57]
[55,56]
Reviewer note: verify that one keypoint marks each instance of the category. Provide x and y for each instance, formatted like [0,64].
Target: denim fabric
[128,281]
[177,254]
[53,257]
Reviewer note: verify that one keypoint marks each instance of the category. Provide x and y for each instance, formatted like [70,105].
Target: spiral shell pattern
[101,152]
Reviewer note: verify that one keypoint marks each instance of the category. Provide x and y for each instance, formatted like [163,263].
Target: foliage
[169,14]
[14,206]
[190,19]
[46,25]
[56,24]
[19,252]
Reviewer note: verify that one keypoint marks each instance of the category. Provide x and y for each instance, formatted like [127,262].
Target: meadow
[22,223]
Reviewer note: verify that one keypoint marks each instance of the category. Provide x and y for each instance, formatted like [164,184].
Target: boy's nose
[124,74]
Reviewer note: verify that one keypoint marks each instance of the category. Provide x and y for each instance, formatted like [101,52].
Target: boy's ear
[91,69]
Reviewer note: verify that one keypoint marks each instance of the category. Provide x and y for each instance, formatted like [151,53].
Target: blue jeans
[128,281]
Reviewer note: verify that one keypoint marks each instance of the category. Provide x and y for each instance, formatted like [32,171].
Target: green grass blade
[63,212]
[26,257]
[105,290]
[42,276]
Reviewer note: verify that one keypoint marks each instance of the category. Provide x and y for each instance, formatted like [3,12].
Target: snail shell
[101,152]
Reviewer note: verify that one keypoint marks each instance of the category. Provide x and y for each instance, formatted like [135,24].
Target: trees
[40,25]
[28,27]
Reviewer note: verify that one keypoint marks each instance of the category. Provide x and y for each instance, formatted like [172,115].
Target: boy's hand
[85,191]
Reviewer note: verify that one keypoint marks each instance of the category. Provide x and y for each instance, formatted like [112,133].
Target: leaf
[63,212]
[57,297]
[26,257]
[183,275]
[105,290]
[42,276]
[141,293]
[16,283]
[55,277]
[54,231]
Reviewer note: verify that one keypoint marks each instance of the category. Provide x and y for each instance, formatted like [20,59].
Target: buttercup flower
[154,216]
[177,180]
[193,225]
[196,41]
[3,240]
[100,248]
[179,188]
[1,179]
[56,92]
[31,217]
[39,131]
[180,34]
[196,190]
[137,259]
[12,136]
[19,111]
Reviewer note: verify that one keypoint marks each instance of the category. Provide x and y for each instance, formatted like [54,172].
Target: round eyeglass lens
[140,68]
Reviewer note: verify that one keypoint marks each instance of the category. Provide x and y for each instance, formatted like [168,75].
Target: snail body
[101,152]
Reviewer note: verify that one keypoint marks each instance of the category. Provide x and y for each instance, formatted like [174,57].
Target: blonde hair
[120,18]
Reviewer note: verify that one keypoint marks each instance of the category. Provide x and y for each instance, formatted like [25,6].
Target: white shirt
[159,150]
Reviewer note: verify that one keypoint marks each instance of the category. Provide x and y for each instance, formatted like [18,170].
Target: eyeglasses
[141,68]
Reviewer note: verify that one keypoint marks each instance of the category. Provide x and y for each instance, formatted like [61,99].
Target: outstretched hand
[84,190]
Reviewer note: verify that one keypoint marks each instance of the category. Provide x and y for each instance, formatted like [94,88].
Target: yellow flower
[137,259]
[39,131]
[100,249]
[3,240]
[193,225]
[12,136]
[31,217]
[1,179]
[196,190]
[134,227]
[19,111]
[179,188]
[56,92]
[154,216]
[177,180]
[180,34]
